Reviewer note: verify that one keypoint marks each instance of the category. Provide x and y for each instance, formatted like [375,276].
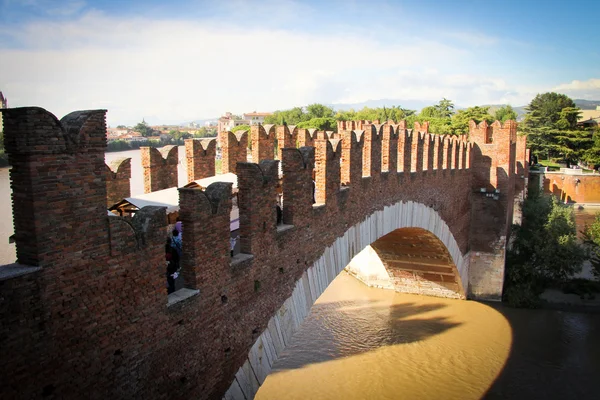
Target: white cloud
[588,90]
[176,70]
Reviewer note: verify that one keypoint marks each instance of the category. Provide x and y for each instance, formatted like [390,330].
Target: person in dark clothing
[176,242]
[172,259]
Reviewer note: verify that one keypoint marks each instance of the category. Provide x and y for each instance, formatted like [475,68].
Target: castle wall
[233,150]
[200,156]
[263,142]
[572,186]
[118,177]
[160,167]
[92,318]
[494,172]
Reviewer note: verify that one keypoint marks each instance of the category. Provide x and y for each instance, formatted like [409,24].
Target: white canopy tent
[169,198]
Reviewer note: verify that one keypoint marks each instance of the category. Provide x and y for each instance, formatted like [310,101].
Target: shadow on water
[370,324]
[554,355]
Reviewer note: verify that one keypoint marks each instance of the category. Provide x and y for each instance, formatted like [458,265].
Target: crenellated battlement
[307,137]
[118,176]
[263,142]
[100,292]
[287,136]
[234,150]
[200,155]
[160,167]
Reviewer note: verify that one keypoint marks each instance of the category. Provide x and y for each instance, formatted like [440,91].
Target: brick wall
[494,167]
[263,142]
[200,156]
[571,188]
[233,149]
[94,321]
[287,136]
[160,167]
[118,176]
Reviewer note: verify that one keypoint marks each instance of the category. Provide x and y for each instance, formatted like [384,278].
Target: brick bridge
[85,313]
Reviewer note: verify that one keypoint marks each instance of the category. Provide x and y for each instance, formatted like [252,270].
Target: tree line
[442,117]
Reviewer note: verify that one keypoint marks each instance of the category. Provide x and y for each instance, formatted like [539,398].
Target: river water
[366,343]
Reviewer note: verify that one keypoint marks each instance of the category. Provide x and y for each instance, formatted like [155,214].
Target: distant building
[256,118]
[127,135]
[3,104]
[589,118]
[229,121]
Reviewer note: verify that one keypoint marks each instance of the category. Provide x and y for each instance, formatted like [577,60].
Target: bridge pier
[495,186]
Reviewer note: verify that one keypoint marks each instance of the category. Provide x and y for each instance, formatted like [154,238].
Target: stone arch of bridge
[403,218]
[409,260]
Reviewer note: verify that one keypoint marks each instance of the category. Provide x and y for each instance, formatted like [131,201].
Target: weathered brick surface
[570,188]
[160,167]
[94,322]
[306,137]
[493,164]
[118,176]
[287,136]
[200,156]
[233,149]
[263,142]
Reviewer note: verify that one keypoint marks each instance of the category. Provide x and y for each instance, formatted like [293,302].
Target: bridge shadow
[554,355]
[325,330]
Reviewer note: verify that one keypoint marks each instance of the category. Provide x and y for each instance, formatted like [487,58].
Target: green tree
[591,237]
[323,124]
[544,249]
[205,132]
[241,128]
[121,127]
[592,155]
[545,109]
[550,126]
[292,116]
[445,108]
[143,128]
[505,113]
[460,120]
[319,111]
[179,136]
[430,112]
[346,115]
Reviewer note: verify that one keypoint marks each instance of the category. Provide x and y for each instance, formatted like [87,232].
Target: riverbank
[556,299]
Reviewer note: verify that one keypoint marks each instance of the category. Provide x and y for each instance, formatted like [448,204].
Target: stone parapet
[160,167]
[92,318]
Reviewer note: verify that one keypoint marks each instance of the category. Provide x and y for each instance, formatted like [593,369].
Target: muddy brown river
[366,343]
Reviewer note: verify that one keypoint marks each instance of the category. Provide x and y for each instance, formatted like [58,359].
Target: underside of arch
[418,262]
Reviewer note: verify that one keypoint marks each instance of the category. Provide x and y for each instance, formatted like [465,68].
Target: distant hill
[521,111]
[587,104]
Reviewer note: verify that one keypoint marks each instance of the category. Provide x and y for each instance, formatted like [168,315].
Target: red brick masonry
[90,319]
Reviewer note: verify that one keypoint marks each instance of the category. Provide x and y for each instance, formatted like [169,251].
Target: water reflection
[375,324]
[366,343]
[362,343]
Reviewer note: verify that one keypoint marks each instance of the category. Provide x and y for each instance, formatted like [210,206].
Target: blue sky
[176,61]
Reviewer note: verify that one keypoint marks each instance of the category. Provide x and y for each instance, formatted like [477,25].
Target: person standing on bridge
[176,242]
[172,259]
